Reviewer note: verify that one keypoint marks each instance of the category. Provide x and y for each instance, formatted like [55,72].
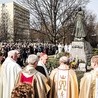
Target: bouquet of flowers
[74,62]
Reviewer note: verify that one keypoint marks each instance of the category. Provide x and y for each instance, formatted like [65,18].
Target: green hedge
[95,51]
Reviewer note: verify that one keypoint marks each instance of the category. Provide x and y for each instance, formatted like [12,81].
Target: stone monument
[80,47]
[80,33]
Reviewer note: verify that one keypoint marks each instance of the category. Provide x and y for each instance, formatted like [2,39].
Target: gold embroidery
[62,83]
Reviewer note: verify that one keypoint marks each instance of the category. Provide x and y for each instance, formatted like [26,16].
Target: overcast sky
[4,1]
[92,6]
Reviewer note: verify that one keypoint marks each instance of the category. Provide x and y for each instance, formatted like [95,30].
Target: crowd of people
[34,81]
[26,49]
[32,48]
[29,48]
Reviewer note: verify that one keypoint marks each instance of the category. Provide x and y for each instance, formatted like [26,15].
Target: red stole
[25,79]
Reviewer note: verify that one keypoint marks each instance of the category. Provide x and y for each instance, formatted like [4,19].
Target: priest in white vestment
[9,71]
[89,82]
[1,57]
[63,81]
[60,48]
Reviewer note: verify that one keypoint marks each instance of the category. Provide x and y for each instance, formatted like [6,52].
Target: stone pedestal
[82,66]
[81,50]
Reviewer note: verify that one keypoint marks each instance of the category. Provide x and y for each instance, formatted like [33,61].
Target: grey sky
[93,7]
[4,1]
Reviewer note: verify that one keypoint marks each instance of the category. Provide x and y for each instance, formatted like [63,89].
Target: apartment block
[14,22]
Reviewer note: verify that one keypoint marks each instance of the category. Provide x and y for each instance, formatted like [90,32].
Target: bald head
[43,58]
[94,60]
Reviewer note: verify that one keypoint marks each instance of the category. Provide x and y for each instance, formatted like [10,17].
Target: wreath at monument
[23,90]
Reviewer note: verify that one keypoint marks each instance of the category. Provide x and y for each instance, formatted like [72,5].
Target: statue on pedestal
[80,31]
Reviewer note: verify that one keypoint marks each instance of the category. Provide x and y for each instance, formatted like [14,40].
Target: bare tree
[53,15]
[91,24]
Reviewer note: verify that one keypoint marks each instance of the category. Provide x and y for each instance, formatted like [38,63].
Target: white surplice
[9,71]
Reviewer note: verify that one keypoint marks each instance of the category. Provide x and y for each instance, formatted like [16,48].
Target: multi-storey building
[14,22]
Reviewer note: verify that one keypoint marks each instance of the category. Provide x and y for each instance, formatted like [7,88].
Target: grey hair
[32,59]
[17,51]
[12,53]
[64,59]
